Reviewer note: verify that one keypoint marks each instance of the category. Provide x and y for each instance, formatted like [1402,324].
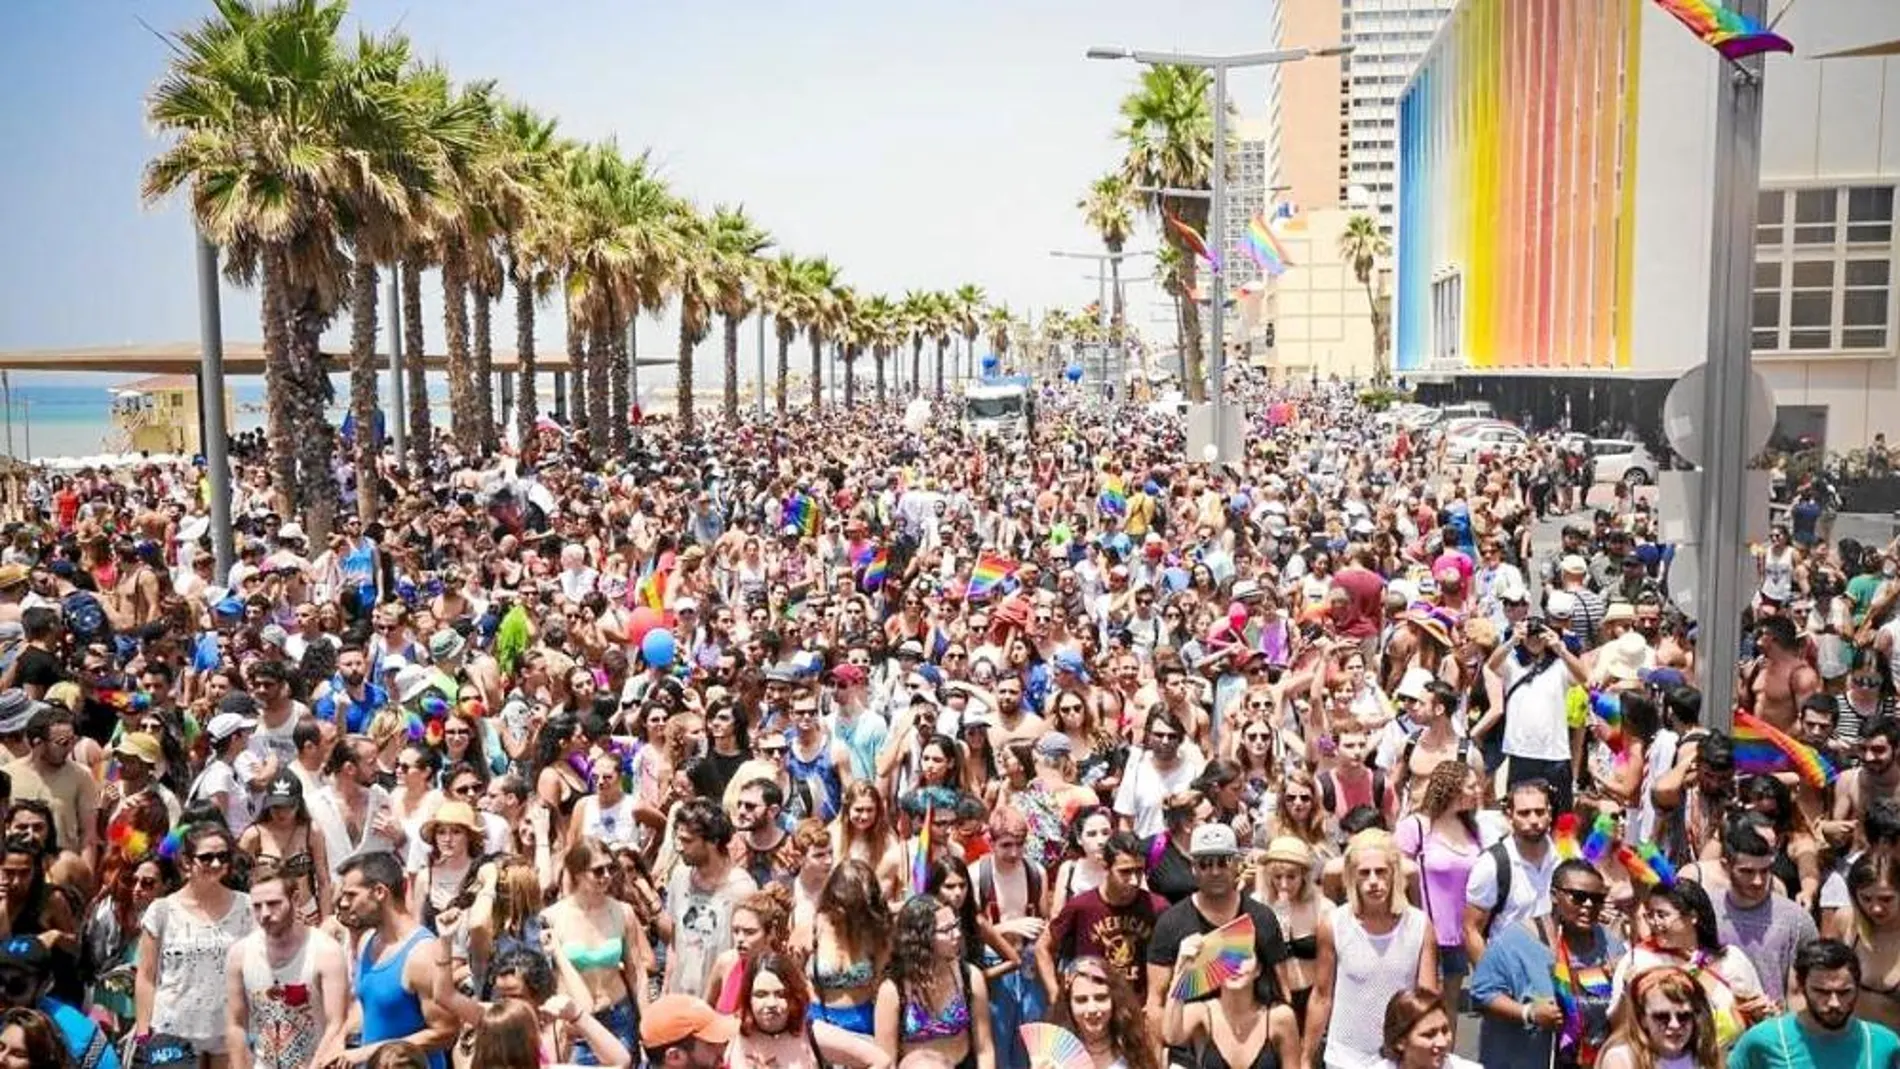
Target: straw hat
[1290,850]
[451,815]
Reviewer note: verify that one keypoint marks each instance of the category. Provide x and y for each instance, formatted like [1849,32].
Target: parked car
[1619,460]
[1470,441]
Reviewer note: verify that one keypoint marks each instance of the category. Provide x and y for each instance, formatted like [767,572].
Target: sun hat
[446,644]
[141,746]
[412,681]
[451,815]
[12,575]
[1290,850]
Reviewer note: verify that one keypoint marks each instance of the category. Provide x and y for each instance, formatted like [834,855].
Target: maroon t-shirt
[1089,926]
[1365,600]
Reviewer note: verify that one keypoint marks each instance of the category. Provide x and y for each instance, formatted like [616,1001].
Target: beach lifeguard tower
[158,415]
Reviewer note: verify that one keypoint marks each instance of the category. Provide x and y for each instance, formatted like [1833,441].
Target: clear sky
[917,144]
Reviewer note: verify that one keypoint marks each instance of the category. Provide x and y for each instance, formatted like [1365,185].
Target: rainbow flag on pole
[1763,749]
[1729,32]
[876,570]
[920,855]
[1191,238]
[1264,248]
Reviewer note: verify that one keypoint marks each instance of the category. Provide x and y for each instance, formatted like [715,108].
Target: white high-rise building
[1388,38]
[1248,178]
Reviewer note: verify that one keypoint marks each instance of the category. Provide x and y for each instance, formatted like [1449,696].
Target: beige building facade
[1321,320]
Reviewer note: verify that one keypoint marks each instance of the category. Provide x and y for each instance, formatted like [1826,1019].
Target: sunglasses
[143,883]
[773,751]
[1585,898]
[1221,862]
[1666,1018]
[605,870]
[215,858]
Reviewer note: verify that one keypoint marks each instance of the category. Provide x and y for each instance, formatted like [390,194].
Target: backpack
[85,616]
[1404,765]
[986,888]
[1502,859]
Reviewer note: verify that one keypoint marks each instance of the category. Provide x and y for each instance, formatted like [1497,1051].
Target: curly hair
[773,908]
[1443,787]
[1127,1024]
[914,943]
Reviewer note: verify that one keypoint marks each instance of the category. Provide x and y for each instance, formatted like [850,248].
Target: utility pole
[1723,592]
[398,418]
[211,406]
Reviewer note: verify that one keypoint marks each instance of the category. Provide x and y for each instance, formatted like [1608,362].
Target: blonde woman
[863,832]
[1391,948]
[505,917]
[1297,813]
[1285,882]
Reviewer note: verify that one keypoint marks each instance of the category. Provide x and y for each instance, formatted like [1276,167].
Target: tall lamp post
[1216,216]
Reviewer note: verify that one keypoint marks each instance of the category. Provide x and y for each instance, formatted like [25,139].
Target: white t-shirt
[1536,725]
[1144,787]
[219,777]
[1530,885]
[1662,757]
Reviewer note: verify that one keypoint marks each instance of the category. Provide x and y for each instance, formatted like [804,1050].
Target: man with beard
[396,966]
[1217,901]
[349,699]
[287,990]
[1113,922]
[763,848]
[1877,776]
[1155,771]
[1825,1032]
[700,896]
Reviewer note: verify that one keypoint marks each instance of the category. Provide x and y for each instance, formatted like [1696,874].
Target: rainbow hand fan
[1224,952]
[1052,1046]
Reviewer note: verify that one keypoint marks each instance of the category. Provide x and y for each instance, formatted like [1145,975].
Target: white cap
[1561,603]
[1572,565]
[395,662]
[292,531]
[1412,685]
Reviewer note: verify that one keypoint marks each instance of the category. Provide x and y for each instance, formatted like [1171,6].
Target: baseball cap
[1560,603]
[672,1019]
[26,953]
[395,662]
[1054,746]
[283,790]
[847,675]
[1663,678]
[911,648]
[1572,565]
[685,605]
[1213,840]
[225,725]
[1412,684]
[1070,661]
[240,704]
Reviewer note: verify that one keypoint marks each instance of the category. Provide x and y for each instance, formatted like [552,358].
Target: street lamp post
[1102,260]
[211,405]
[1217,194]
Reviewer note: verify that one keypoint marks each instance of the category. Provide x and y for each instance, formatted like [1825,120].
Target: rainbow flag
[1763,749]
[1114,498]
[990,571]
[652,590]
[1265,248]
[876,570]
[1192,239]
[920,855]
[801,512]
[1731,33]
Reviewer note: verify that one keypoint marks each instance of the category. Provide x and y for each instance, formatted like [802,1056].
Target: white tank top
[286,1005]
[1777,574]
[1371,969]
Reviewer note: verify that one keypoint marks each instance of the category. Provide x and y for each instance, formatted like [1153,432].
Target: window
[1824,270]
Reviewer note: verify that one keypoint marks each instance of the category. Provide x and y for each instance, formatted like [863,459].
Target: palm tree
[1168,128]
[943,323]
[1365,246]
[781,299]
[737,243]
[272,121]
[996,320]
[966,306]
[915,313]
[696,279]
[818,295]
[529,225]
[882,330]
[1109,210]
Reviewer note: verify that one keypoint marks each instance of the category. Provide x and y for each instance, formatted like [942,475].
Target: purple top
[1445,867]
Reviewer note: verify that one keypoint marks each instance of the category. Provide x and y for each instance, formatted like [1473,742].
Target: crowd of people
[848,739]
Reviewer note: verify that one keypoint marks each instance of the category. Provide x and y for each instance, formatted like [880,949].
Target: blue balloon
[1074,372]
[990,362]
[658,648]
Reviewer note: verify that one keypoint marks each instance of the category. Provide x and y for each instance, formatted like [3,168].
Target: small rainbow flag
[1114,498]
[876,570]
[802,512]
[1191,238]
[1567,980]
[652,590]
[990,571]
[920,856]
[1265,248]
[1729,32]
[1596,845]
[1763,749]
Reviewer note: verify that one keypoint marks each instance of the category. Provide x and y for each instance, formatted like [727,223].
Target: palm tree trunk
[683,378]
[525,401]
[455,333]
[851,354]
[576,375]
[280,427]
[599,361]
[817,368]
[1191,339]
[304,322]
[623,346]
[943,344]
[486,417]
[1115,279]
[1381,370]
[880,354]
[732,368]
[363,383]
[916,362]
[785,333]
[421,436]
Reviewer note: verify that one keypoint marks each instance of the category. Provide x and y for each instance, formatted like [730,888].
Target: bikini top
[844,978]
[920,1025]
[1305,947]
[605,956]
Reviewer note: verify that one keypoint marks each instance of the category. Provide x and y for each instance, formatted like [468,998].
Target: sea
[48,420]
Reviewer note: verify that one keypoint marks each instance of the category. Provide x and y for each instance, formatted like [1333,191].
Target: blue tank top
[390,1011]
[818,775]
[359,564]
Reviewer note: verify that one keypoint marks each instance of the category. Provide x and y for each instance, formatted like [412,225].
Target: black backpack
[1502,858]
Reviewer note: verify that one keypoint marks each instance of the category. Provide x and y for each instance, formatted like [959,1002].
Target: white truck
[1004,408]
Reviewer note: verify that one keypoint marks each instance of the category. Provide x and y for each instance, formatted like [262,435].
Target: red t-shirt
[1365,601]
[1089,927]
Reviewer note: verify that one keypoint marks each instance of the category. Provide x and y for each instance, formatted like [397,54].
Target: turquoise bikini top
[605,956]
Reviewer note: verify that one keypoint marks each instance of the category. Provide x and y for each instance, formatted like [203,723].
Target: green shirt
[1785,1043]
[1861,589]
